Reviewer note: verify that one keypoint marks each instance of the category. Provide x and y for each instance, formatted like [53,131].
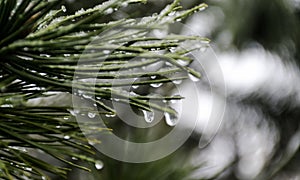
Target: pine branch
[44,53]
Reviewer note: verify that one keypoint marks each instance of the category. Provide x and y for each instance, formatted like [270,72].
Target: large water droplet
[91,115]
[148,115]
[171,119]
[193,78]
[99,164]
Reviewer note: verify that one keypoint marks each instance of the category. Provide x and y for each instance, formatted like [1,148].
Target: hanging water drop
[193,78]
[99,164]
[152,77]
[63,8]
[148,116]
[91,115]
[171,119]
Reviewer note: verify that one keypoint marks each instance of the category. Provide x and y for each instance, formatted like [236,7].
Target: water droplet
[67,137]
[110,115]
[168,64]
[193,78]
[148,115]
[135,86]
[28,168]
[58,126]
[202,8]
[156,85]
[131,93]
[87,96]
[67,55]
[44,55]
[171,119]
[183,63]
[91,115]
[99,164]
[177,81]
[74,158]
[152,77]
[109,11]
[106,51]
[178,19]
[43,178]
[63,8]
[172,49]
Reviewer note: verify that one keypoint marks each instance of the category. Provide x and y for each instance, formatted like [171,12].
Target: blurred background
[256,44]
